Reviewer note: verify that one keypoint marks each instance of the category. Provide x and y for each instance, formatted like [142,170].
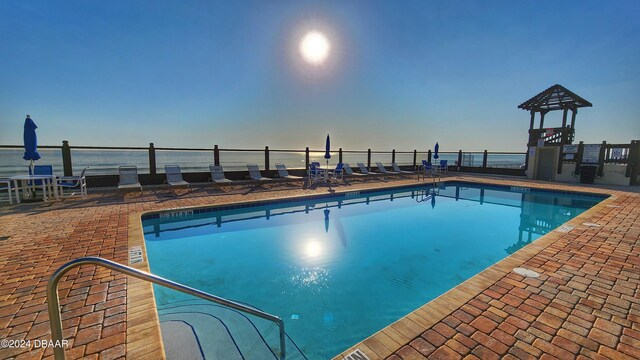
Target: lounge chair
[217,175]
[129,178]
[254,173]
[349,172]
[284,173]
[383,170]
[364,170]
[7,183]
[174,176]
[71,182]
[397,169]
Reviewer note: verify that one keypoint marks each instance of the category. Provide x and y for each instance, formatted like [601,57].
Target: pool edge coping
[144,337]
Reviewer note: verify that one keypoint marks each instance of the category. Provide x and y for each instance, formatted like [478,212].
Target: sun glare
[315,47]
[313,249]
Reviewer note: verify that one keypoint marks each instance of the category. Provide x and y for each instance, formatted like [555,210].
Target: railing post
[306,159]
[459,159]
[484,159]
[66,159]
[369,159]
[152,159]
[266,158]
[415,158]
[579,158]
[393,155]
[603,151]
[633,162]
[429,156]
[340,155]
[216,155]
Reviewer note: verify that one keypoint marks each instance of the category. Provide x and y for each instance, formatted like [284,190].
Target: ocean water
[101,162]
[339,269]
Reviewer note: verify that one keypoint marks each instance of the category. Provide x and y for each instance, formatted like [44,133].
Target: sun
[315,48]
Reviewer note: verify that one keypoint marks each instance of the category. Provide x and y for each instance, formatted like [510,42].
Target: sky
[400,74]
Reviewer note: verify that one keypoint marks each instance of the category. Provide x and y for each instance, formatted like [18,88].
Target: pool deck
[586,304]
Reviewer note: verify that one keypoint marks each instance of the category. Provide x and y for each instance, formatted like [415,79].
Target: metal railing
[54,302]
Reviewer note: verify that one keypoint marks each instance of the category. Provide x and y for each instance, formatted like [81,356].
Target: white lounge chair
[284,173]
[383,170]
[217,175]
[349,172]
[254,173]
[174,176]
[397,169]
[129,178]
[364,170]
[70,182]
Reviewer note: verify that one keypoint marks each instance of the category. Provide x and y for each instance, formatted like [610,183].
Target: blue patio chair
[70,182]
[427,167]
[338,172]
[444,167]
[40,170]
[315,173]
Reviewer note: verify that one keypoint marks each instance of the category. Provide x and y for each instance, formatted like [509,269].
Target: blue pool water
[339,269]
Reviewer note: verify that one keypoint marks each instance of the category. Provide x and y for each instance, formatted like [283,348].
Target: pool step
[209,331]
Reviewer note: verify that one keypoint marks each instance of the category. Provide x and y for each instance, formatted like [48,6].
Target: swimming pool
[337,269]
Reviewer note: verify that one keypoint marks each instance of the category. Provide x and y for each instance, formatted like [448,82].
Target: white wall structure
[614,174]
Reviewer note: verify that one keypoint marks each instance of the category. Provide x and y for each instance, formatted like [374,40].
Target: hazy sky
[400,74]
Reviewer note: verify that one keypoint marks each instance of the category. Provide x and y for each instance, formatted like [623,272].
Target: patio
[585,304]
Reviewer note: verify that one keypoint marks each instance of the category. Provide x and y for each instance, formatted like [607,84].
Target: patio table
[49,184]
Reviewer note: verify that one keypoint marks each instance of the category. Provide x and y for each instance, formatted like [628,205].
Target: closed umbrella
[435,151]
[30,142]
[327,155]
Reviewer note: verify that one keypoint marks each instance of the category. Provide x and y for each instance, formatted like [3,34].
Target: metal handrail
[54,302]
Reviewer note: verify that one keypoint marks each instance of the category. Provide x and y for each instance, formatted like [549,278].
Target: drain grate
[357,354]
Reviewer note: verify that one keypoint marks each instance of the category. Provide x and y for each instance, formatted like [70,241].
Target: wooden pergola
[556,97]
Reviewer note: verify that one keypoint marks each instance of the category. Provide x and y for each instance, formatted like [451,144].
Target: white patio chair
[71,182]
[174,176]
[217,175]
[129,178]
[284,173]
[255,174]
[397,169]
[7,182]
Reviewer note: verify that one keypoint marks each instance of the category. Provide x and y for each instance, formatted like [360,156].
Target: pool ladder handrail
[54,302]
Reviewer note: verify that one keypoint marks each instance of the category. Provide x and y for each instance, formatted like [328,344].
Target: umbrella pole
[32,191]
[326,173]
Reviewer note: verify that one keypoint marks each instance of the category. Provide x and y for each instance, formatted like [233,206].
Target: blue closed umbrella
[435,150]
[30,141]
[327,155]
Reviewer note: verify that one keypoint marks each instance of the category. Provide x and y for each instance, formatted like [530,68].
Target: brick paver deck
[585,305]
